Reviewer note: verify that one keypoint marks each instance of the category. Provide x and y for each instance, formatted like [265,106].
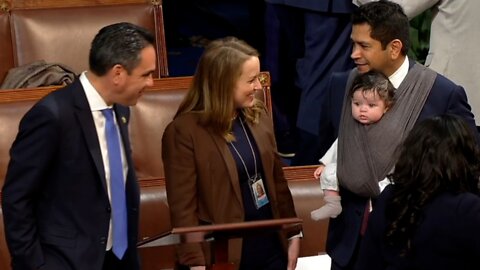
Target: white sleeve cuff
[299,235]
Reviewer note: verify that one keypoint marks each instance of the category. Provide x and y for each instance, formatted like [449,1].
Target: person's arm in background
[412,8]
[331,105]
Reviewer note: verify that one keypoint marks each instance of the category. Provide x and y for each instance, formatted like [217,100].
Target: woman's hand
[318,171]
[197,267]
[293,252]
[195,237]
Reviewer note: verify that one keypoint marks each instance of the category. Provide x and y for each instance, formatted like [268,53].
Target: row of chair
[61,31]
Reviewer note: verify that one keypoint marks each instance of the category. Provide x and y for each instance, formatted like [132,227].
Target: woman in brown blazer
[218,149]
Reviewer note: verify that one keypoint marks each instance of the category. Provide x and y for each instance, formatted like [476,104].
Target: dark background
[190,24]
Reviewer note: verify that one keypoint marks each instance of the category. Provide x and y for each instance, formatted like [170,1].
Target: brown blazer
[202,180]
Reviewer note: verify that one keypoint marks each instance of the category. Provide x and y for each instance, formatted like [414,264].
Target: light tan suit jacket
[202,179]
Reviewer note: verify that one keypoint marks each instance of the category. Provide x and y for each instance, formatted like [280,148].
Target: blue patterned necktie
[117,186]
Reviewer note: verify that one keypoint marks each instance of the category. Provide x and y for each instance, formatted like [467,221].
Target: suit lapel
[87,125]
[229,163]
[122,115]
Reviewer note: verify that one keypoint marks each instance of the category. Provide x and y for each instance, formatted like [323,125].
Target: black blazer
[447,237]
[344,231]
[55,203]
[331,6]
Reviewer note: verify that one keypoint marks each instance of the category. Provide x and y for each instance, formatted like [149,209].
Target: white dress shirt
[97,104]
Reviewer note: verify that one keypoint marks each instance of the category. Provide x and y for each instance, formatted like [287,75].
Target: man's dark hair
[387,20]
[119,43]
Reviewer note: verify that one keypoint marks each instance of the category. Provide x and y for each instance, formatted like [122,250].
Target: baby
[371,96]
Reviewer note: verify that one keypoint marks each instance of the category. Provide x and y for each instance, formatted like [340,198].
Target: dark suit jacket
[447,237]
[333,6]
[344,231]
[55,203]
[202,179]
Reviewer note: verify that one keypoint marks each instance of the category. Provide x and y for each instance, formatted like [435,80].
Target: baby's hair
[376,82]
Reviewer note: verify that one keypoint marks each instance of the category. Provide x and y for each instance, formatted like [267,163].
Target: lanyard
[251,148]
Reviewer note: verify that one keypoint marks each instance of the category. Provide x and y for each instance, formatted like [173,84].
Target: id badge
[257,189]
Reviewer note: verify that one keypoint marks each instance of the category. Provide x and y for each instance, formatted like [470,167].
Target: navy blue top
[243,148]
[447,237]
[262,250]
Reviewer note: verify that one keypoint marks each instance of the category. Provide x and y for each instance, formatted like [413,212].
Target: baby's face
[367,107]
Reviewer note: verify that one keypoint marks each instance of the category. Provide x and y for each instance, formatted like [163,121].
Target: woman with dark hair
[429,218]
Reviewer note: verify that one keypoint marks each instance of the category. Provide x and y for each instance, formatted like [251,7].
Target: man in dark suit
[71,198]
[306,40]
[380,42]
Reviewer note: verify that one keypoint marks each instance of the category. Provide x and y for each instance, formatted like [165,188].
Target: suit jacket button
[102,240]
[109,209]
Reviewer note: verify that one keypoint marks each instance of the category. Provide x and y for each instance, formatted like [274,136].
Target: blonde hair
[212,89]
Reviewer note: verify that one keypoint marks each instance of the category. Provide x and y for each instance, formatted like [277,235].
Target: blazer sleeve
[284,197]
[181,184]
[412,8]
[458,105]
[30,157]
[286,207]
[468,221]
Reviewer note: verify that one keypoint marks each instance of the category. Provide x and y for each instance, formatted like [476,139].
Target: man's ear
[395,48]
[117,72]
